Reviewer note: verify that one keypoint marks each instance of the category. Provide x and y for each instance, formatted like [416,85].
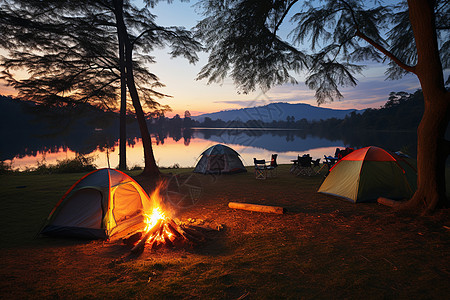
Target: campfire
[162,231]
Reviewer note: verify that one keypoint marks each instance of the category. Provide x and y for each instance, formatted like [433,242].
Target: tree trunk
[123,107]
[150,168]
[431,147]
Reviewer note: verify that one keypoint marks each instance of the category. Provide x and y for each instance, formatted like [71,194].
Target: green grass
[321,248]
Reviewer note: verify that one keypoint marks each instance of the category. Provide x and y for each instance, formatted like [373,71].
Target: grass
[322,248]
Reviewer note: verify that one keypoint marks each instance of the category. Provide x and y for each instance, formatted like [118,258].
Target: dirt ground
[321,248]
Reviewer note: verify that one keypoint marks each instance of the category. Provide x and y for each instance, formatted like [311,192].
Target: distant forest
[402,111]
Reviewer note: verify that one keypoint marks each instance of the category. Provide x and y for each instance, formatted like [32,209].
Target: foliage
[71,51]
[5,168]
[247,45]
[78,164]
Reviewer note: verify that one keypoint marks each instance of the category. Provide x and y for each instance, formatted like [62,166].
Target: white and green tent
[100,204]
[219,159]
[369,173]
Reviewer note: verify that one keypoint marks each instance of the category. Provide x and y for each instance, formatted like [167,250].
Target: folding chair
[294,168]
[328,161]
[260,168]
[272,168]
[305,166]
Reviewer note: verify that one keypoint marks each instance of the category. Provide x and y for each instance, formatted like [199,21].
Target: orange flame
[151,219]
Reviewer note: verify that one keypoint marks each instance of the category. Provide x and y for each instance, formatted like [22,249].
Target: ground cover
[322,247]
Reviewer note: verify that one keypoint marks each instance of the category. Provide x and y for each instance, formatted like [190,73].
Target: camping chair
[294,167]
[260,168]
[328,161]
[272,168]
[316,163]
[305,166]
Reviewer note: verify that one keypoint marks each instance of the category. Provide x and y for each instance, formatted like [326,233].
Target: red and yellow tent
[369,173]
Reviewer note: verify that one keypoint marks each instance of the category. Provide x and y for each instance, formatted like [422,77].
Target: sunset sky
[198,97]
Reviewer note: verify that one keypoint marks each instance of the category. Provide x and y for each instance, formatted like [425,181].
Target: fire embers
[162,231]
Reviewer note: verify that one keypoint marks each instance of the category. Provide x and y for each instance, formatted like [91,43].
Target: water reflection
[183,147]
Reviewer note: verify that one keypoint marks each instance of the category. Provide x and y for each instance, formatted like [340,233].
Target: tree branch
[283,16]
[377,45]
[386,52]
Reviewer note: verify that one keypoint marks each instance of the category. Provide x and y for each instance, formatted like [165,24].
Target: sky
[198,97]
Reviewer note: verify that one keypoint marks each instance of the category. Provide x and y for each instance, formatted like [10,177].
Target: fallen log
[389,202]
[257,207]
[139,248]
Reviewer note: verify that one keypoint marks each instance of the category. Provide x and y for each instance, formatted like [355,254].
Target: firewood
[175,225]
[173,230]
[156,245]
[201,229]
[191,237]
[389,202]
[139,248]
[161,229]
[195,233]
[257,207]
[132,239]
[167,240]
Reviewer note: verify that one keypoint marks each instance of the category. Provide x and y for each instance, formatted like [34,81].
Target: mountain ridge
[278,111]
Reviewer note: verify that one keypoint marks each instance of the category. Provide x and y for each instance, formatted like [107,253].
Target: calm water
[184,148]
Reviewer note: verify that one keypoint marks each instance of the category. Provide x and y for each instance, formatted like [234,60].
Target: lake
[183,148]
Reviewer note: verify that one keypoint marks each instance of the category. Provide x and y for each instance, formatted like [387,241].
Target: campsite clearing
[322,247]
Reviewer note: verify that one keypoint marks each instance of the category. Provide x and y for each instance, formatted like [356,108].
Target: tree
[244,42]
[135,32]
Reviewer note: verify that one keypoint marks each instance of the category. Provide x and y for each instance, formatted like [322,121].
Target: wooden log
[175,225]
[191,237]
[173,230]
[156,244]
[132,239]
[389,202]
[257,207]
[201,229]
[139,247]
[167,240]
[194,233]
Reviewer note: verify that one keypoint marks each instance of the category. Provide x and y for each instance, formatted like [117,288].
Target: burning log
[161,230]
[139,248]
[174,230]
[165,233]
[132,239]
[256,207]
[167,240]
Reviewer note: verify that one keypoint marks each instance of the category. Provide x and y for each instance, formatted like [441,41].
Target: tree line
[402,111]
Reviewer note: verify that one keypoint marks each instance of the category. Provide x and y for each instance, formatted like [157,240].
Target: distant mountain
[278,112]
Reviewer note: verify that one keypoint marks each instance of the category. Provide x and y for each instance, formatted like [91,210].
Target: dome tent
[369,173]
[219,159]
[100,204]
